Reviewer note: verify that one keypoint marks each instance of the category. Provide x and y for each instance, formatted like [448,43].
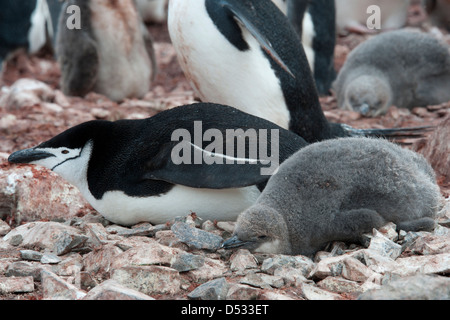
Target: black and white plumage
[246,54]
[315,23]
[125,169]
[111,53]
[29,24]
[336,190]
[403,68]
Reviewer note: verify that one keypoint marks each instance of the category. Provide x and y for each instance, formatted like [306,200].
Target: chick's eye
[65,151]
[262,237]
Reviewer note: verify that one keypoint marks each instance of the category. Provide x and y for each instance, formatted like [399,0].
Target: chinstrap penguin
[111,52]
[402,68]
[246,54]
[353,15]
[438,12]
[30,24]
[315,23]
[337,190]
[127,169]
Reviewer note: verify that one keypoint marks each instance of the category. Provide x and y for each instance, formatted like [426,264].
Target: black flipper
[390,133]
[247,16]
[211,176]
[217,132]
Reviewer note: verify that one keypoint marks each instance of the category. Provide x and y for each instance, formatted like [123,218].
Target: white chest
[218,71]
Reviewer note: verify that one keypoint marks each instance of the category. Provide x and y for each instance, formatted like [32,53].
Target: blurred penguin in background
[153,11]
[29,24]
[315,23]
[403,68]
[438,12]
[356,15]
[103,46]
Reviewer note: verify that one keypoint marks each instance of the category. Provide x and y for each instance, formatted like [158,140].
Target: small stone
[196,238]
[290,275]
[24,269]
[340,285]
[302,263]
[30,255]
[49,258]
[431,244]
[213,290]
[112,290]
[4,228]
[55,288]
[263,281]
[185,262]
[312,292]
[384,246]
[354,270]
[243,292]
[416,287]
[149,279]
[242,260]
[16,284]
[438,264]
[16,240]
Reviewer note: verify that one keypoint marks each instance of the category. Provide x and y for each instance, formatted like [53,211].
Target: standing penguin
[109,52]
[246,54]
[27,23]
[315,23]
[352,15]
[201,158]
[337,190]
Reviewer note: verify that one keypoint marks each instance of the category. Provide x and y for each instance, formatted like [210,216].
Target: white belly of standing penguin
[208,204]
[218,71]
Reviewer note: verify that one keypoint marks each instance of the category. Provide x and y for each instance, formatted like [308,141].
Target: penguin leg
[350,225]
[422,224]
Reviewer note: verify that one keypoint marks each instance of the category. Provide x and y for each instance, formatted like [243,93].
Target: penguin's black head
[67,153]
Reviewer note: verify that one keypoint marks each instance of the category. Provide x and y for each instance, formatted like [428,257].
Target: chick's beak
[28,155]
[233,242]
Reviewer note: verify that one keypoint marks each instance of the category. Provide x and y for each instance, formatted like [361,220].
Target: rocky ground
[53,245]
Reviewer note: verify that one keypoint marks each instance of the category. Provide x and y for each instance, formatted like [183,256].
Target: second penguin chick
[337,190]
[403,68]
[110,52]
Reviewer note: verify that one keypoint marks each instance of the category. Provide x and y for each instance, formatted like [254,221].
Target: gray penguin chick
[110,52]
[402,68]
[337,190]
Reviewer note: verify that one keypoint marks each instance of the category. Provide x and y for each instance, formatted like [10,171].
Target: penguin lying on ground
[110,52]
[26,23]
[337,190]
[130,171]
[402,68]
[353,15]
[315,23]
[439,12]
[246,54]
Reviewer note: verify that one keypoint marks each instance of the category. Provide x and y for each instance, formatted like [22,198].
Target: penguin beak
[364,109]
[28,156]
[233,242]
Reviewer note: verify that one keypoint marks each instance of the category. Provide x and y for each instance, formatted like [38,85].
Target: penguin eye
[262,237]
[65,151]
